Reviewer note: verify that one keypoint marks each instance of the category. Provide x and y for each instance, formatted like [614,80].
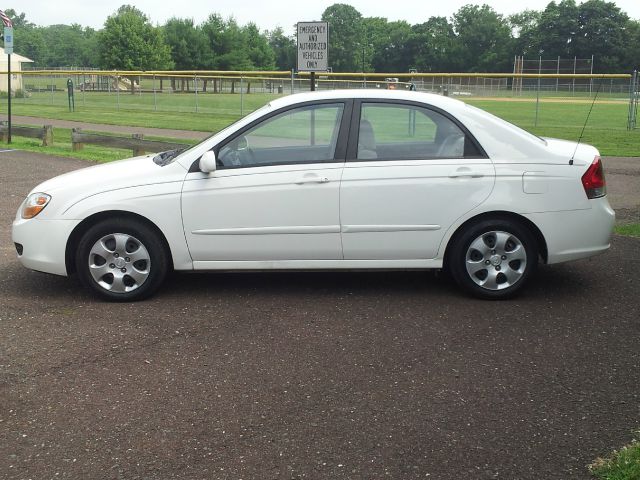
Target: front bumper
[44,243]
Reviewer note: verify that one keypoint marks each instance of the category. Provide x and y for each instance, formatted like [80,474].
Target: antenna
[586,121]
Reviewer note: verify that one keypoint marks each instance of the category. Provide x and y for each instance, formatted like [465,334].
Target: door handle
[465,172]
[312,179]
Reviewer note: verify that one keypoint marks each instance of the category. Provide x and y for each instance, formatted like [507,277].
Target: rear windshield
[508,125]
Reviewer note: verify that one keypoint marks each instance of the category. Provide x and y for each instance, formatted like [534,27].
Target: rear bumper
[572,235]
[43,243]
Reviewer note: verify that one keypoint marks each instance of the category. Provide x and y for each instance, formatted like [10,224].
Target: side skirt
[319,265]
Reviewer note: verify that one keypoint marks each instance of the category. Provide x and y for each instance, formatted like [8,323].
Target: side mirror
[207,162]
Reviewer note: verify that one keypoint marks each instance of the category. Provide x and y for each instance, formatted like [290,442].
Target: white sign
[8,40]
[313,46]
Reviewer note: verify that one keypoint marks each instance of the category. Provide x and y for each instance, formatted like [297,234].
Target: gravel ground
[623,178]
[315,375]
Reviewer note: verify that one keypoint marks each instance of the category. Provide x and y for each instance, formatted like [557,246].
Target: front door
[275,194]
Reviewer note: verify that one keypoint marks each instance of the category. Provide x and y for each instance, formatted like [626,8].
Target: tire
[121,260]
[494,258]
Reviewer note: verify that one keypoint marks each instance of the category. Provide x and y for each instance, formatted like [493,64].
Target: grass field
[622,464]
[630,230]
[556,117]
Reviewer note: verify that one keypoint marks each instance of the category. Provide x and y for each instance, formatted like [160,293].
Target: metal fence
[634,100]
[235,94]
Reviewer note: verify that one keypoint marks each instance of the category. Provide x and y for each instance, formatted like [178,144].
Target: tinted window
[302,135]
[406,132]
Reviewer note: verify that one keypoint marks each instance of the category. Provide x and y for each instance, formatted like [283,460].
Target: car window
[301,135]
[407,132]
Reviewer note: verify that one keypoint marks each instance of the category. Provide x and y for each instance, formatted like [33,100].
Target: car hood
[112,176]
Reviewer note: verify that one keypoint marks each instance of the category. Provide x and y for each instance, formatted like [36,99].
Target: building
[16,67]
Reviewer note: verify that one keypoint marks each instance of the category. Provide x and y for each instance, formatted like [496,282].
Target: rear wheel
[494,258]
[121,260]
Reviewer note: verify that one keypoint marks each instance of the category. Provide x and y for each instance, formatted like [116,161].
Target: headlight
[34,204]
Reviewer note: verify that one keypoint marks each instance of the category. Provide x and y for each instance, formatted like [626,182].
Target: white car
[359,179]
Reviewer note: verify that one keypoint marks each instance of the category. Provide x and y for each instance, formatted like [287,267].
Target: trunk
[566,150]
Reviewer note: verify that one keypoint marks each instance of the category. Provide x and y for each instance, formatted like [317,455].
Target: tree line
[475,39]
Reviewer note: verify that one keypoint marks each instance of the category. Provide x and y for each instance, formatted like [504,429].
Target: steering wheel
[240,156]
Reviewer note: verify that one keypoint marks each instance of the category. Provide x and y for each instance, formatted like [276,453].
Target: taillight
[593,180]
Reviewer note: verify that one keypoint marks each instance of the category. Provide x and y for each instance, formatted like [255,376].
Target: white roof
[15,57]
[430,98]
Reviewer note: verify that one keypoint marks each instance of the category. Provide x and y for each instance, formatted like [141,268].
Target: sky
[267,14]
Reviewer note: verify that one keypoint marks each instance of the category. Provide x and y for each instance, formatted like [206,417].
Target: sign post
[72,100]
[8,49]
[313,48]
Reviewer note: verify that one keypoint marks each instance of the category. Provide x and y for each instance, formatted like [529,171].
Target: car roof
[369,93]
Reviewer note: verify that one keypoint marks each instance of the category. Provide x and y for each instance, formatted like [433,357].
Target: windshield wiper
[164,158]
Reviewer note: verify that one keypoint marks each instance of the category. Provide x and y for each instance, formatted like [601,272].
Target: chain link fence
[235,94]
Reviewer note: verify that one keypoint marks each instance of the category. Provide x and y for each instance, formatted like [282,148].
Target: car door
[411,171]
[275,193]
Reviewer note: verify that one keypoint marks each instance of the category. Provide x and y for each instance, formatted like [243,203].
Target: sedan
[360,179]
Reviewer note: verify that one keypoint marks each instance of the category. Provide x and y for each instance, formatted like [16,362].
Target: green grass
[62,146]
[630,230]
[623,464]
[176,110]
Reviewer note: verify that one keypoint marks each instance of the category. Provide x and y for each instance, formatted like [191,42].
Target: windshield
[165,158]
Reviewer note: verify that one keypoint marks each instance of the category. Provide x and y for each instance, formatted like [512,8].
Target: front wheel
[493,259]
[121,260]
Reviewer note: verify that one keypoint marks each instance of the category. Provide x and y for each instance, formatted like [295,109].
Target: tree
[260,52]
[434,47]
[284,49]
[385,45]
[602,32]
[229,43]
[557,29]
[345,37]
[19,20]
[27,38]
[484,38]
[190,49]
[68,46]
[632,58]
[525,28]
[129,42]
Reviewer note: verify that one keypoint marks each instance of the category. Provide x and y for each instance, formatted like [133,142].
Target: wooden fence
[44,133]
[137,144]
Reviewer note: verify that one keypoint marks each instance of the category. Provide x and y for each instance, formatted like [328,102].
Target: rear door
[411,171]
